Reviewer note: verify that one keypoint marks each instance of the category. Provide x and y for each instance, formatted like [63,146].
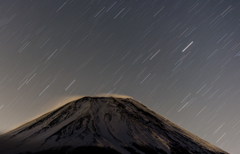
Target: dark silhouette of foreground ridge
[103,125]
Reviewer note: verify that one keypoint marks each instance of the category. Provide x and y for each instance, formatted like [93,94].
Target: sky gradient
[181,58]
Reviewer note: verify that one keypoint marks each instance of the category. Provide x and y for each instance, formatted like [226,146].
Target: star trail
[180,58]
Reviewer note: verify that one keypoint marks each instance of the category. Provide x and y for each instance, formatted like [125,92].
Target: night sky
[180,58]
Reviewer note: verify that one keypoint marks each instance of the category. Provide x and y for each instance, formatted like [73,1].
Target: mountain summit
[103,124]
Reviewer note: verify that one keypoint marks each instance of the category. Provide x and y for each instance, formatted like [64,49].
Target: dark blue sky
[180,58]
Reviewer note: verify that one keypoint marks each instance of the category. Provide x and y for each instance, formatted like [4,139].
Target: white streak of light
[221,137]
[186,97]
[145,78]
[70,85]
[117,81]
[43,90]
[61,6]
[31,78]
[155,54]
[183,107]
[187,46]
[119,13]
[201,111]
[22,84]
[99,12]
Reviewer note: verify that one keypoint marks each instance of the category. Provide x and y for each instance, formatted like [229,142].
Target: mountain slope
[107,124]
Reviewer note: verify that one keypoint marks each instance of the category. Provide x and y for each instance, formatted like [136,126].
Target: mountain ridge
[110,123]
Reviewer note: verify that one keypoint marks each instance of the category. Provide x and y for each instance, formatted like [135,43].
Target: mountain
[103,125]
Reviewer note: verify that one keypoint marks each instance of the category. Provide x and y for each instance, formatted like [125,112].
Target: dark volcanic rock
[105,125]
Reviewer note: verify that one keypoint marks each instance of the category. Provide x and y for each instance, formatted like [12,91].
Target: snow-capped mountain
[103,124]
